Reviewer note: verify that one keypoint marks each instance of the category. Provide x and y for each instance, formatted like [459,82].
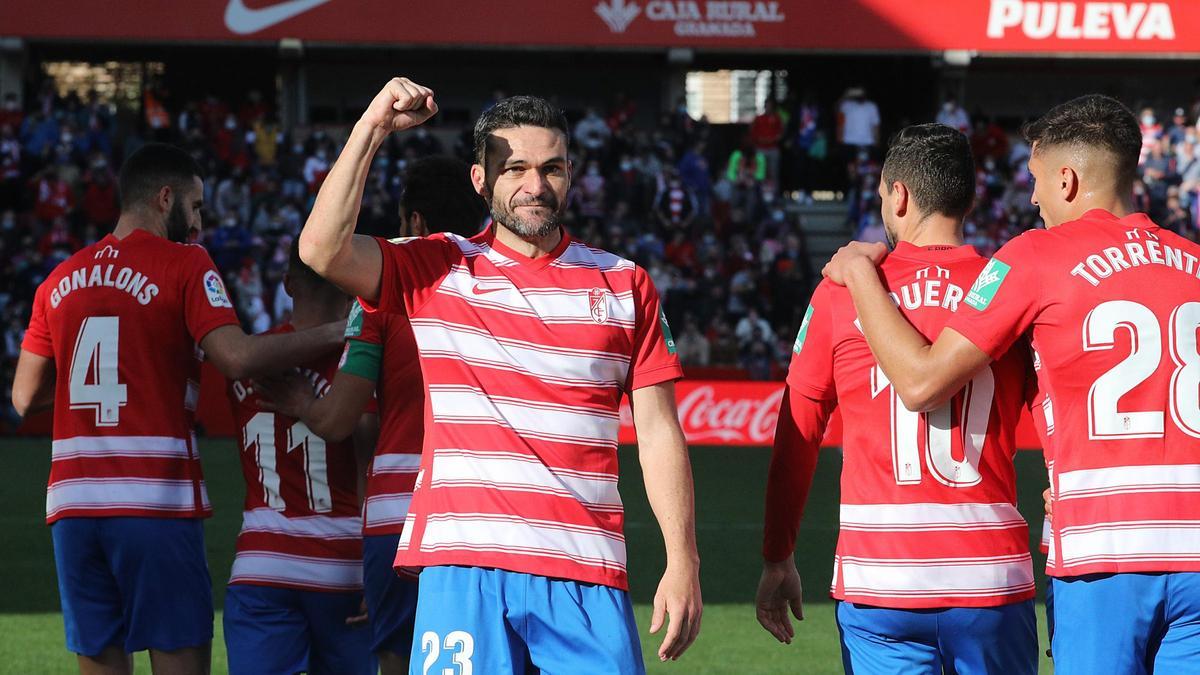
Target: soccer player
[932,567]
[113,346]
[528,341]
[1111,301]
[297,575]
[381,360]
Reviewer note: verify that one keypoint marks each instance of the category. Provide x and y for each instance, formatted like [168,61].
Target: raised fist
[401,104]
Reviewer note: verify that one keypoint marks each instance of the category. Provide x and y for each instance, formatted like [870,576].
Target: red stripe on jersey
[525,362]
[121,320]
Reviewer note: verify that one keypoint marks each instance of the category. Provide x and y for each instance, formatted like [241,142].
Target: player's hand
[1046,499]
[850,256]
[678,596]
[288,394]
[779,589]
[401,104]
[359,620]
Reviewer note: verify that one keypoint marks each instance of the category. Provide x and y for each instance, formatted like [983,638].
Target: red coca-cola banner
[1015,26]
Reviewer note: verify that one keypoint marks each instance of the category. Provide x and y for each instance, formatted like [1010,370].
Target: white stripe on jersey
[472,249]
[391,509]
[396,462]
[1129,480]
[919,517]
[512,472]
[548,305]
[937,577]
[298,570]
[442,339]
[514,535]
[120,446]
[581,255]
[456,404]
[323,527]
[122,493]
[1132,541]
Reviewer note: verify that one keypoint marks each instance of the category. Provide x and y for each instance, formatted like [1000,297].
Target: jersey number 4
[937,428]
[93,383]
[260,434]
[1099,332]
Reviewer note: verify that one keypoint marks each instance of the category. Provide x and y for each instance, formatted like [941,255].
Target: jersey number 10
[974,407]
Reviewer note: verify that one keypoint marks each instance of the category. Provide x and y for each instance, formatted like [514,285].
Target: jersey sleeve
[363,354]
[1004,300]
[797,443]
[811,370]
[37,338]
[412,268]
[206,304]
[654,355]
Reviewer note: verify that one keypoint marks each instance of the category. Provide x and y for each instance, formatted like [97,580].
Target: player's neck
[936,230]
[132,220]
[535,247]
[312,314]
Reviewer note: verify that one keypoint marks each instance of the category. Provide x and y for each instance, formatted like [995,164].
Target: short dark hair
[517,111]
[1094,121]
[151,167]
[300,274]
[934,162]
[439,188]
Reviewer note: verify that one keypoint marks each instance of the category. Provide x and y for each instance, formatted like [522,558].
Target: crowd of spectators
[718,234]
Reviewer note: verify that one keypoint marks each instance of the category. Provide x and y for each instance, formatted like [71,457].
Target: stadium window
[732,96]
[117,82]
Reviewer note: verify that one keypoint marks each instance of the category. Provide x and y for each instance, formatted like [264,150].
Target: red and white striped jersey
[401,395]
[122,319]
[928,513]
[1112,305]
[1041,410]
[301,523]
[525,362]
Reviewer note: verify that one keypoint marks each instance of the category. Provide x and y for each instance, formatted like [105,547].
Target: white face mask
[1147,119]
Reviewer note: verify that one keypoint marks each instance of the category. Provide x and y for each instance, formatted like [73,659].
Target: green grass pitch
[729,502]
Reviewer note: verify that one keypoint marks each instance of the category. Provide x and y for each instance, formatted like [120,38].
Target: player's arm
[668,476]
[366,438]
[798,435]
[328,243]
[923,375]
[33,383]
[239,356]
[334,416]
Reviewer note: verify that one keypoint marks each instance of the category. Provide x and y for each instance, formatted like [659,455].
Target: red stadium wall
[713,412]
[989,26]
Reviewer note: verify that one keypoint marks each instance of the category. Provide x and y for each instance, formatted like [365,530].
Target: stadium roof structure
[1039,27]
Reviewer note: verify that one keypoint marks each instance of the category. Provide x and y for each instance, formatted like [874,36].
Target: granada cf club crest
[598,300]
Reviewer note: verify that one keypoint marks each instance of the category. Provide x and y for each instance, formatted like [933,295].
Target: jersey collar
[934,253]
[489,237]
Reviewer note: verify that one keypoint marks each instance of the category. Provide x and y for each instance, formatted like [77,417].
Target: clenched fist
[401,104]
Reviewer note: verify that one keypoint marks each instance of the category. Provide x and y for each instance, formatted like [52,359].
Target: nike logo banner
[243,20]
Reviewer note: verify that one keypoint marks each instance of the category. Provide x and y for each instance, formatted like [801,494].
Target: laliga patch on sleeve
[214,288]
[354,324]
[666,329]
[986,284]
[803,333]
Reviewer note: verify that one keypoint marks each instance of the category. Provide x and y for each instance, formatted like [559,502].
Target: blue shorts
[503,622]
[961,640]
[391,600]
[134,583]
[1127,623]
[282,631]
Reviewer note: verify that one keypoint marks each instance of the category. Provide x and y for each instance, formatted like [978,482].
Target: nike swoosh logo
[480,290]
[242,20]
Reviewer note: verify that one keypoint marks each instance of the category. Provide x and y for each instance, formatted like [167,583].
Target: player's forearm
[329,420]
[33,384]
[262,355]
[327,242]
[921,382]
[668,478]
[798,435]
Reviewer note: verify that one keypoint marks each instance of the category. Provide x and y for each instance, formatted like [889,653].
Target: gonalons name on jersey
[1149,251]
[121,278]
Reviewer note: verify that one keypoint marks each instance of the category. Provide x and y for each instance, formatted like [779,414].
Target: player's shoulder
[579,255]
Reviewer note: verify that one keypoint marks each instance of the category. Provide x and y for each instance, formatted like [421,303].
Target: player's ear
[165,198]
[1069,183]
[899,197]
[417,227]
[479,179]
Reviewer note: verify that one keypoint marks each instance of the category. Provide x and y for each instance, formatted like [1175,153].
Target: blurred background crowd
[717,218]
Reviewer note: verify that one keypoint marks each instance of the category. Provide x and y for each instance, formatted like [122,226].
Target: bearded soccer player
[114,347]
[528,342]
[932,567]
[1110,298]
[381,360]
[297,575]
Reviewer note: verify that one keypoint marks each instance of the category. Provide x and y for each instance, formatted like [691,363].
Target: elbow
[330,431]
[315,253]
[22,401]
[921,397]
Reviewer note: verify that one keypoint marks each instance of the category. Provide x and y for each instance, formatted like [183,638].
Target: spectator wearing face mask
[953,116]
[1151,132]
